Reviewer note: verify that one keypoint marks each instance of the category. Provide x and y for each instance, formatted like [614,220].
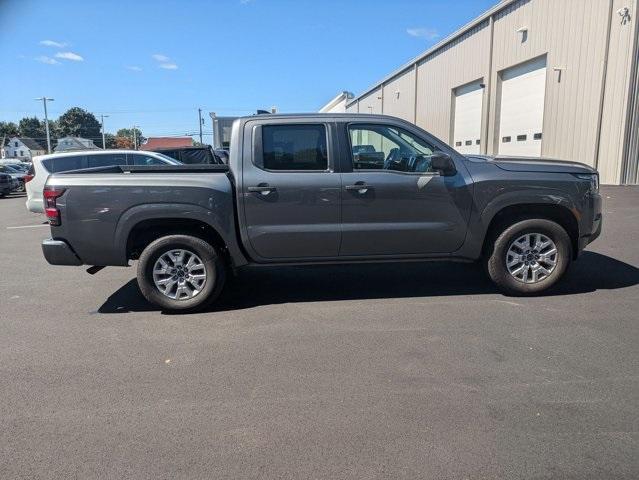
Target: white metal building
[338,104]
[551,78]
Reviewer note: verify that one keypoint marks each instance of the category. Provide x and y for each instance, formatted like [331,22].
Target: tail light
[51,195]
[28,177]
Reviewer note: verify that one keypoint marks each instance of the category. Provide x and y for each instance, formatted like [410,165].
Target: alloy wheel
[179,274]
[531,258]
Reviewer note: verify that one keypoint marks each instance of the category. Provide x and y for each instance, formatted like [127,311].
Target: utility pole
[135,138]
[102,117]
[46,120]
[199,112]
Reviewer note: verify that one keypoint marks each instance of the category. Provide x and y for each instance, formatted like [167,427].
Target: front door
[290,193]
[393,203]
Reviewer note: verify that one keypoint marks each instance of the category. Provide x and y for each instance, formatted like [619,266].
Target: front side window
[294,147]
[384,147]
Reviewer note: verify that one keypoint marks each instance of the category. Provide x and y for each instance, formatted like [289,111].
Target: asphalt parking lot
[392,371]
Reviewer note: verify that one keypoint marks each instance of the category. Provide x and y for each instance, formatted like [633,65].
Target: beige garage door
[467,128]
[523,91]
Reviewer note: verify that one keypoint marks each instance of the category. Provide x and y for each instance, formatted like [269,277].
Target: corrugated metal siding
[572,35]
[631,153]
[460,62]
[399,96]
[371,103]
[352,108]
[616,99]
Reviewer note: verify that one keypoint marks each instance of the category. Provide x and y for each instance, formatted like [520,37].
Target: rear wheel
[20,188]
[529,256]
[180,273]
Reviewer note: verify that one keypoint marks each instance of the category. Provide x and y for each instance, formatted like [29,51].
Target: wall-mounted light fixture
[523,32]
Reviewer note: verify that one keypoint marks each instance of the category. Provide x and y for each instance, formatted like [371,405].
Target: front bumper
[58,252]
[594,231]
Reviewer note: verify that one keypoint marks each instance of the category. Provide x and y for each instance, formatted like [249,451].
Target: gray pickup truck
[323,188]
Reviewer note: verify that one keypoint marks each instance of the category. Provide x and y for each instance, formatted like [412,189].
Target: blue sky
[153,63]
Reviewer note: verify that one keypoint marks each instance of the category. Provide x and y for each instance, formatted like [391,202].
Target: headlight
[594,181]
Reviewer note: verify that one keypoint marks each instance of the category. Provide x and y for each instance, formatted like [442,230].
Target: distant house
[156,143]
[22,148]
[66,144]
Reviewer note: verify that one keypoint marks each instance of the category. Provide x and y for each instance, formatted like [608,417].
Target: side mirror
[443,163]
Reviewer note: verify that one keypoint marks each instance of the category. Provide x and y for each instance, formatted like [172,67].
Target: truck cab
[323,188]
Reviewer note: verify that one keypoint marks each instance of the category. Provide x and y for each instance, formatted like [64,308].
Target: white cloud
[429,33]
[53,43]
[164,62]
[47,60]
[134,68]
[69,56]
[244,2]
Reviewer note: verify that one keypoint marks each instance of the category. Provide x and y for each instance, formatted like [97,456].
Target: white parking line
[28,226]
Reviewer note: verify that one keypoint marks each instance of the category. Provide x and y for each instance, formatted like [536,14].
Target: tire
[21,187]
[208,261]
[531,279]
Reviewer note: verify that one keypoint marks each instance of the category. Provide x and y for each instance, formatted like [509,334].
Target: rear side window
[139,159]
[106,160]
[294,147]
[64,164]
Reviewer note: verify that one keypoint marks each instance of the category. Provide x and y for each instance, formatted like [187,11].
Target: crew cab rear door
[393,202]
[290,192]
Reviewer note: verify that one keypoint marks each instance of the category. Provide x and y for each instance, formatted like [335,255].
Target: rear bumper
[58,252]
[35,205]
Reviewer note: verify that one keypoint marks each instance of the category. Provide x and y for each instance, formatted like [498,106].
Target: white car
[44,165]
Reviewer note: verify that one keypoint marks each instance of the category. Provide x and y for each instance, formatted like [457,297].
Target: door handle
[262,189]
[360,188]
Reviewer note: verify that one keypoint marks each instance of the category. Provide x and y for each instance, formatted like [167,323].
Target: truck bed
[101,206]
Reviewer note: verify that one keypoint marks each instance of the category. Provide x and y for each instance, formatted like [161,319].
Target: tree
[109,140]
[123,142]
[54,129]
[128,133]
[9,129]
[77,122]
[31,127]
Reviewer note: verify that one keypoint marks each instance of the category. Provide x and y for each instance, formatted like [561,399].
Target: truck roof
[317,115]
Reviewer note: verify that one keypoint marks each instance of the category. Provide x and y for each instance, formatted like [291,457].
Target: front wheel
[180,273]
[529,256]
[20,188]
